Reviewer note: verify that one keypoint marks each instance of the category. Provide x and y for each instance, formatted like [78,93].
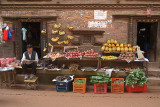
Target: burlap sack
[139,53]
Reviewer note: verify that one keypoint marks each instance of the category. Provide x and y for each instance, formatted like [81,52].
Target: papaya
[110,49]
[129,45]
[106,49]
[122,49]
[117,45]
[126,49]
[115,42]
[130,49]
[113,49]
[102,48]
[112,41]
[113,45]
[121,45]
[110,45]
[118,49]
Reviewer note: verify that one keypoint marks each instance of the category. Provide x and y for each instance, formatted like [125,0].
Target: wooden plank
[68,72]
[31,81]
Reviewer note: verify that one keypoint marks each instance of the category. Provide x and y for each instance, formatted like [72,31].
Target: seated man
[29,60]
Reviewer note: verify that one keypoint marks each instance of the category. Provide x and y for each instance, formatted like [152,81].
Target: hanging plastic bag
[9,34]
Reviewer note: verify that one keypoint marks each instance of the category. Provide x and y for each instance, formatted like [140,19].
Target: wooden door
[158,44]
[18,39]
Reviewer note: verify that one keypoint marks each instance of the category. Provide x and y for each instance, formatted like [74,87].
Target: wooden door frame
[17,23]
[132,31]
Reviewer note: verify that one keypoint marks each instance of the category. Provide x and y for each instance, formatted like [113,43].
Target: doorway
[32,36]
[147,39]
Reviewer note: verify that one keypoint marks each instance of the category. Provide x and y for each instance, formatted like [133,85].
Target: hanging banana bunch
[60,42]
[66,42]
[69,27]
[55,39]
[61,32]
[54,31]
[43,31]
[70,37]
[44,50]
[57,25]
[49,44]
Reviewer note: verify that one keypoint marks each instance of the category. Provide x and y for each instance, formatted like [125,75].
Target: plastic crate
[79,87]
[143,88]
[117,87]
[63,86]
[100,88]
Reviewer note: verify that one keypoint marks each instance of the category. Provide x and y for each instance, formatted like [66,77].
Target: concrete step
[153,81]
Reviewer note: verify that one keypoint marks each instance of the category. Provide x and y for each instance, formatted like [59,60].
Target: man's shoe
[26,77]
[32,76]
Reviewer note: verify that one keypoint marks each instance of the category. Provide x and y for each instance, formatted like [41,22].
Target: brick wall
[117,28]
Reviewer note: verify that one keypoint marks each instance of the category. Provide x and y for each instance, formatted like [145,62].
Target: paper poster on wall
[97,24]
[100,14]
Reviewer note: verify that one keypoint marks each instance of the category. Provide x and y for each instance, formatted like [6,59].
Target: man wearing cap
[29,55]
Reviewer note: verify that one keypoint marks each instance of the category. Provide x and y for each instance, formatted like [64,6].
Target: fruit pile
[73,54]
[109,57]
[90,53]
[73,67]
[113,46]
[127,55]
[54,55]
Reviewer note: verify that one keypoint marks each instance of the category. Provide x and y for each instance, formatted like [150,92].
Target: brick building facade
[124,19]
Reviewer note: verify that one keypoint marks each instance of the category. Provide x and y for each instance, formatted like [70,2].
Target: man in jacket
[29,60]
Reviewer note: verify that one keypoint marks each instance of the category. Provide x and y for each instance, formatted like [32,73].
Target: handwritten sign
[100,14]
[99,24]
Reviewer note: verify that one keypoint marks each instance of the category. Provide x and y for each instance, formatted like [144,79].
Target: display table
[7,76]
[117,63]
[143,64]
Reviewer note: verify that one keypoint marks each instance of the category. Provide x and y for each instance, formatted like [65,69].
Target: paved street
[47,96]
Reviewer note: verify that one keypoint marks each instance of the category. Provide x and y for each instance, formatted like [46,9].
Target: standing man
[29,55]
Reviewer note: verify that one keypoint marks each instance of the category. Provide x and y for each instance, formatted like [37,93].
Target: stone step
[154,64]
[153,81]
[154,72]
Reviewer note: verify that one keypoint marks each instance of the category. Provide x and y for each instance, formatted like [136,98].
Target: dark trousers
[32,66]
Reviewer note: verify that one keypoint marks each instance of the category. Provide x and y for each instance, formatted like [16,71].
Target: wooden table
[7,78]
[143,64]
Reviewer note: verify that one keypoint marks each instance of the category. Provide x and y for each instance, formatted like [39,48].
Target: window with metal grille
[87,39]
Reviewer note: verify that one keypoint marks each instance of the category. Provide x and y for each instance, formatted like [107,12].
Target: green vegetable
[118,81]
[136,76]
[100,78]
[79,81]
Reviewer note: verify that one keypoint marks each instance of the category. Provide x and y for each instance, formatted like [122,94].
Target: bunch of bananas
[70,37]
[55,39]
[66,42]
[57,25]
[61,32]
[60,42]
[54,31]
[50,44]
[109,57]
[44,50]
[69,27]
[43,31]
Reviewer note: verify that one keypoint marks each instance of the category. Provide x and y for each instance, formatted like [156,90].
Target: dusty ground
[47,96]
